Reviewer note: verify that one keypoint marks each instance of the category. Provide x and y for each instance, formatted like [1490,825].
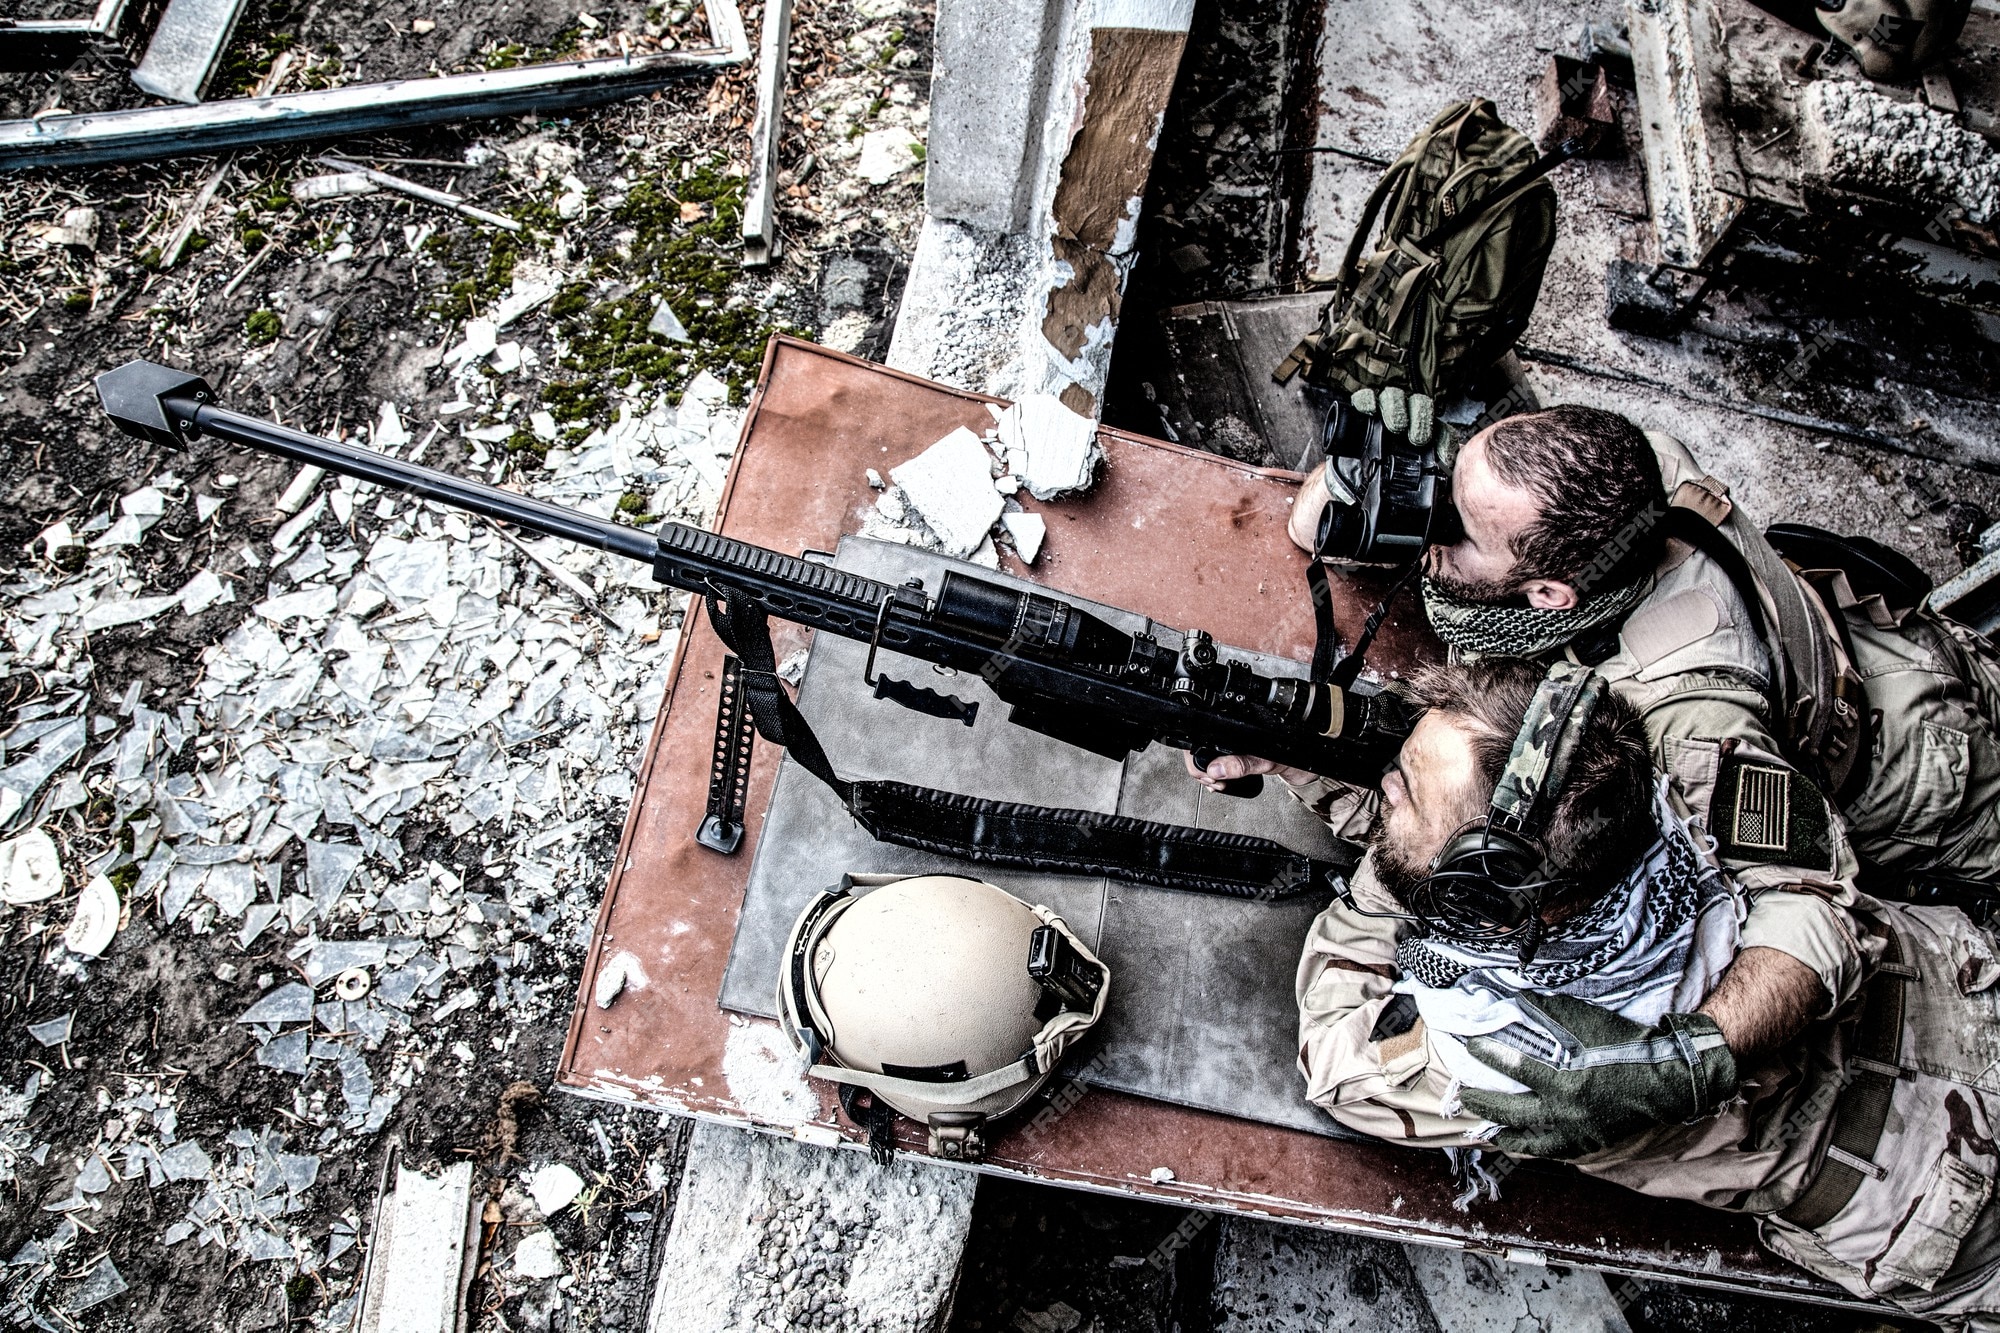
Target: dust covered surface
[340,775]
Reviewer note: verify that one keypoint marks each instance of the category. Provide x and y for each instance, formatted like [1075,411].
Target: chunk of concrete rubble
[537,1257]
[1860,137]
[746,1199]
[1028,532]
[30,868]
[78,230]
[554,1187]
[95,923]
[950,485]
[1052,450]
[887,154]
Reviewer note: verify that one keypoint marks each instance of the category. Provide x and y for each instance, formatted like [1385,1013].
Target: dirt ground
[315,314]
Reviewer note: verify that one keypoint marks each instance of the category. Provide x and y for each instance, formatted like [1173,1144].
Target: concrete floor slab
[772,1234]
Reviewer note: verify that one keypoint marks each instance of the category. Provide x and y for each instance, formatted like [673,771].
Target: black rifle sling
[1026,837]
[1326,638]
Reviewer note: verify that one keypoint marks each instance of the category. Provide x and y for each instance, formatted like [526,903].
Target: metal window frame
[150,133]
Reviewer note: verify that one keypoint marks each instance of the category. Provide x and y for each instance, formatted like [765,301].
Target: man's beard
[1480,592]
[1395,870]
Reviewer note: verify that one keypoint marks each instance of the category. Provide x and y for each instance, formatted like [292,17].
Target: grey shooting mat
[1201,1012]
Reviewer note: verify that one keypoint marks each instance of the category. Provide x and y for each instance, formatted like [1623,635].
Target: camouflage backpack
[1467,225]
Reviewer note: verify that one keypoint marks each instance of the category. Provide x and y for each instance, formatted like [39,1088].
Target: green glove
[1613,1079]
[1410,414]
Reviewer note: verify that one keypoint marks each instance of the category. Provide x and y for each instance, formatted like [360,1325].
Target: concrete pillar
[989,89]
[1035,175]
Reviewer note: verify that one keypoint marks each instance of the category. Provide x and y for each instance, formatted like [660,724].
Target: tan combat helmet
[1894,39]
[919,990]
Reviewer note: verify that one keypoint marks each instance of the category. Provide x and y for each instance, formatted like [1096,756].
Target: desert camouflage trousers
[1921,1227]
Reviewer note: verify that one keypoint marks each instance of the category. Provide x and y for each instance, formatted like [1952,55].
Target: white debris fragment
[99,1285]
[291,1003]
[332,185]
[30,868]
[110,614]
[1160,1175]
[887,154]
[1052,450]
[554,1187]
[665,324]
[54,1032]
[78,230]
[202,591]
[875,481]
[951,485]
[527,294]
[96,921]
[389,434]
[303,481]
[537,1258]
[620,970]
[481,337]
[1028,531]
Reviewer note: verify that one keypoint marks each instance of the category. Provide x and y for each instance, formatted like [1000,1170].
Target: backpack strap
[1810,670]
[1350,265]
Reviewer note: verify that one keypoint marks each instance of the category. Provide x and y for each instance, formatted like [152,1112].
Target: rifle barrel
[366,464]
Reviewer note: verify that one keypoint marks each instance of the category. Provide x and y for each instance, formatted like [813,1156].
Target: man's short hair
[1600,492]
[1603,820]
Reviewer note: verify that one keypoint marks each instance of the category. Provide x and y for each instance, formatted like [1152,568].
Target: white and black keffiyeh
[1656,944]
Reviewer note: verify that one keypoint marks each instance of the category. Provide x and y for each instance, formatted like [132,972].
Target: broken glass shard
[99,1285]
[292,1003]
[286,1054]
[186,1161]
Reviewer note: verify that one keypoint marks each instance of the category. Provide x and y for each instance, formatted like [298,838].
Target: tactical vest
[1774,628]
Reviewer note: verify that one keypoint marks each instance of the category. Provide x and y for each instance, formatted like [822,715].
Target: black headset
[1488,882]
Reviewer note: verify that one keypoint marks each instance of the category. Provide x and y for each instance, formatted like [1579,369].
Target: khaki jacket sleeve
[1392,1088]
[1347,809]
[1805,911]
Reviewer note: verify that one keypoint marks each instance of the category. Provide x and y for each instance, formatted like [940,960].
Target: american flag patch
[1763,808]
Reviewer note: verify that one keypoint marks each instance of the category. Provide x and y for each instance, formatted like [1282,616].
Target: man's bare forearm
[1763,1002]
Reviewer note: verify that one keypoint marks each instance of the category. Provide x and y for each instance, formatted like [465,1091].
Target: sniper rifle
[1067,674]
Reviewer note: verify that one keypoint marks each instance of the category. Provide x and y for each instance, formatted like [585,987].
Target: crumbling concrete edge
[1033,308]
